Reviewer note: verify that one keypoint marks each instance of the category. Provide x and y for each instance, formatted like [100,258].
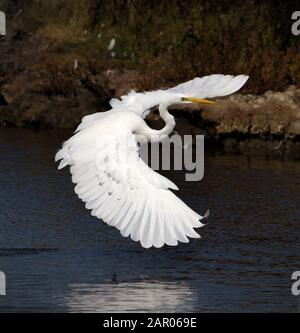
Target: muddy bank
[58,96]
[44,90]
[266,124]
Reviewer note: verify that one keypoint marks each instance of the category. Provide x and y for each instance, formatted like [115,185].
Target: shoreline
[266,124]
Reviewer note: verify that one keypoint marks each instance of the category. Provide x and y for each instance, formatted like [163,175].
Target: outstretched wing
[210,86]
[121,189]
[215,85]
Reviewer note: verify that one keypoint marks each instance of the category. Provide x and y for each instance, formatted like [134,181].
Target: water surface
[57,258]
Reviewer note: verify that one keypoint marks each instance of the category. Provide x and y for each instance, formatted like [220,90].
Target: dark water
[58,258]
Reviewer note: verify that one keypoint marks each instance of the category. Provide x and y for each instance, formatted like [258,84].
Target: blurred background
[63,59]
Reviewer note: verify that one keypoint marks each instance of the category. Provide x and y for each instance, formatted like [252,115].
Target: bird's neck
[163,112]
[166,116]
[168,119]
[158,135]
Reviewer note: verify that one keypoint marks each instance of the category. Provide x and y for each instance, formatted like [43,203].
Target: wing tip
[62,164]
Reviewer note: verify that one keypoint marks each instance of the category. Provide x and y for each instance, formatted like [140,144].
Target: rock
[248,123]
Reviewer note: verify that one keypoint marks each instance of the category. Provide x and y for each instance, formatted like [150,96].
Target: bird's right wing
[210,86]
[121,189]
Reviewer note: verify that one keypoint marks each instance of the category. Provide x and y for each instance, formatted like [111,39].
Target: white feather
[113,180]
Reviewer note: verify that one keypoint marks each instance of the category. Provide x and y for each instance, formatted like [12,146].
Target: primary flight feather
[112,179]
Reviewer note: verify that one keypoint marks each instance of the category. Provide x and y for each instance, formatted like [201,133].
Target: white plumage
[114,181]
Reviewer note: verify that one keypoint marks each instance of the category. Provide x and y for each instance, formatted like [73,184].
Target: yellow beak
[197,100]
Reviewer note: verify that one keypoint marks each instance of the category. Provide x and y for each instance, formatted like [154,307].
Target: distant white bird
[114,181]
[111,44]
[76,64]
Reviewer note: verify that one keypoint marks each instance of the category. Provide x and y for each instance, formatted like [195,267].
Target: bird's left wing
[120,188]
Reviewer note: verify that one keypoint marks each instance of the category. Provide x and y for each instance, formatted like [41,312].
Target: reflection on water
[58,258]
[144,296]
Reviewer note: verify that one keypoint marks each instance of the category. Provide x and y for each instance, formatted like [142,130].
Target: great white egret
[112,179]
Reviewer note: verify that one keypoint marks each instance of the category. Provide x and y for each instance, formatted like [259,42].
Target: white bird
[112,179]
[111,44]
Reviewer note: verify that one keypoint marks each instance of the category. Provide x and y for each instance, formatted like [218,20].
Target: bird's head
[176,99]
[182,99]
[195,100]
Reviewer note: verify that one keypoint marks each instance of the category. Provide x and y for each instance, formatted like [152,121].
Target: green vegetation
[174,40]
